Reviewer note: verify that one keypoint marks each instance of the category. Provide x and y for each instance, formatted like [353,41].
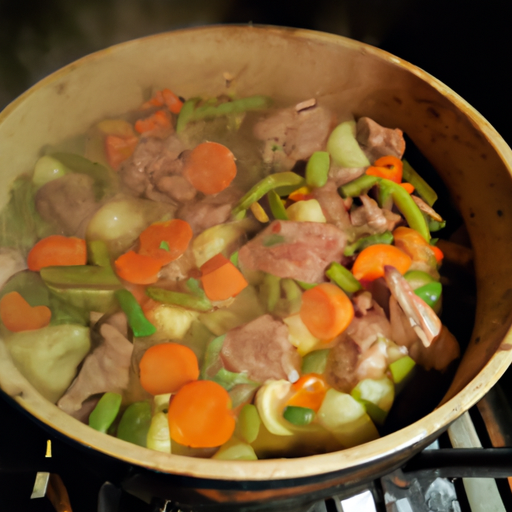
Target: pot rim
[16,386]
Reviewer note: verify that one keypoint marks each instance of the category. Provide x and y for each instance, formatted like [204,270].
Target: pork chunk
[297,250]
[342,365]
[378,141]
[261,348]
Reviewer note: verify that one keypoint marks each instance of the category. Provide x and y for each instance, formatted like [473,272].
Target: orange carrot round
[166,367]
[370,262]
[118,149]
[18,315]
[310,391]
[221,279]
[210,167]
[412,243]
[326,311]
[157,121]
[165,241]
[388,167]
[200,415]
[57,250]
[137,268]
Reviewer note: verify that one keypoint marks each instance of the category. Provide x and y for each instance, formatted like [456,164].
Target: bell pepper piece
[135,423]
[139,324]
[105,412]
[430,293]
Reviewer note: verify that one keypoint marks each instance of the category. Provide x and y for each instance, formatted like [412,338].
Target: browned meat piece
[342,364]
[298,250]
[364,330]
[372,220]
[176,187]
[210,210]
[343,175]
[377,141]
[68,202]
[261,348]
[300,133]
[333,206]
[363,302]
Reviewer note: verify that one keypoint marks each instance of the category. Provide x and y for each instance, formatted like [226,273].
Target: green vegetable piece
[234,258]
[276,206]
[344,148]
[317,169]
[363,243]
[298,415]
[212,363]
[306,286]
[248,423]
[235,449]
[135,423]
[290,303]
[105,412]
[228,380]
[422,188]
[158,437]
[179,299]
[434,225]
[401,368]
[377,395]
[138,322]
[270,291]
[430,293]
[185,114]
[164,245]
[194,286]
[358,186]
[237,106]
[374,411]
[261,188]
[315,362]
[30,286]
[342,277]
[47,169]
[98,253]
[418,278]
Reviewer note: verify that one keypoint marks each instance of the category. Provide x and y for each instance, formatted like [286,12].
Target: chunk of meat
[372,220]
[105,369]
[377,141]
[298,250]
[176,187]
[262,350]
[68,202]
[342,363]
[365,330]
[333,206]
[299,133]
[344,175]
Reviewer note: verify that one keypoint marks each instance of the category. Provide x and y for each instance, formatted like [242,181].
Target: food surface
[225,277]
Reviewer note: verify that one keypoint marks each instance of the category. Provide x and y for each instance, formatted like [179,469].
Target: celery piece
[342,277]
[105,412]
[248,423]
[185,114]
[298,415]
[135,423]
[344,148]
[317,169]
[276,206]
[418,278]
[377,395]
[422,188]
[401,368]
[228,380]
[315,362]
[137,321]
[270,291]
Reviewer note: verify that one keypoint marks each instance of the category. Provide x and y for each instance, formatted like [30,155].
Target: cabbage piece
[48,357]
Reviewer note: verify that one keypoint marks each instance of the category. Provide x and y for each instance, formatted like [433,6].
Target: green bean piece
[298,415]
[234,258]
[135,423]
[358,186]
[418,278]
[270,290]
[430,293]
[231,107]
[408,208]
[105,412]
[137,321]
[422,188]
[273,181]
[98,253]
[185,114]
[363,243]
[306,286]
[185,300]
[315,362]
[276,206]
[377,414]
[341,276]
[211,364]
[434,225]
[317,169]
[401,368]
[248,423]
[228,380]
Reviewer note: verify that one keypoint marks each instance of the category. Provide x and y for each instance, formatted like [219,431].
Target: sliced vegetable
[221,279]
[389,167]
[315,362]
[344,148]
[326,311]
[430,293]
[276,206]
[363,243]
[167,367]
[423,189]
[370,262]
[310,392]
[377,395]
[139,324]
[135,423]
[409,188]
[317,169]
[57,250]
[298,415]
[401,368]
[157,121]
[235,449]
[172,101]
[270,402]
[18,315]
[418,278]
[186,300]
[118,149]
[342,277]
[248,423]
[358,186]
[210,167]
[105,412]
[306,211]
[259,213]
[185,114]
[138,268]
[300,336]
[158,437]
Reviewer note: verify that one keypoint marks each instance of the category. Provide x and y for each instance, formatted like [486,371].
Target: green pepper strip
[298,415]
[407,207]
[276,206]
[343,278]
[105,412]
[185,114]
[363,243]
[281,179]
[139,324]
[430,293]
[230,107]
[317,169]
[179,299]
[358,186]
[422,188]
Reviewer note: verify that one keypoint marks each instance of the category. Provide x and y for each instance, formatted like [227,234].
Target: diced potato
[235,449]
[306,211]
[171,322]
[299,335]
[158,434]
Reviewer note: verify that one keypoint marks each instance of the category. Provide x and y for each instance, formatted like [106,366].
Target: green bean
[363,243]
[317,169]
[231,107]
[185,300]
[343,278]
[270,290]
[105,412]
[276,206]
[185,114]
[271,182]
[434,225]
[358,186]
[422,188]
[298,415]
[138,322]
[316,361]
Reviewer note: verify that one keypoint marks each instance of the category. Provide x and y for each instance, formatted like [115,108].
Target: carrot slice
[370,262]
[326,311]
[437,253]
[165,241]
[137,268]
[157,121]
[172,101]
[57,250]
[118,149]
[18,315]
[412,243]
[210,167]
[166,367]
[310,391]
[221,279]
[408,187]
[388,167]
[200,415]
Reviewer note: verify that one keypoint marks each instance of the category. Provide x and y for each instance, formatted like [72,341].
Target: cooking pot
[290,65]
